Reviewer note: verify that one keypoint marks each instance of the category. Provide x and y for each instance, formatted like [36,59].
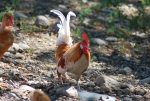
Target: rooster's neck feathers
[64,28]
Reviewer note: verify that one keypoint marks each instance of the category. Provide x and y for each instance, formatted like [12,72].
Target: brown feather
[74,53]
[60,50]
[6,40]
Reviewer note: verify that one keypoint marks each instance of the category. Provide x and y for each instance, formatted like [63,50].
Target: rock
[106,83]
[2,65]
[128,10]
[147,8]
[1,71]
[42,21]
[15,71]
[62,6]
[137,98]
[126,70]
[90,96]
[86,21]
[7,54]
[144,81]
[141,35]
[24,91]
[131,87]
[99,41]
[23,45]
[147,95]
[125,91]
[140,91]
[71,91]
[126,99]
[15,96]
[102,58]
[19,15]
[91,84]
[112,39]
[19,56]
[84,1]
[15,48]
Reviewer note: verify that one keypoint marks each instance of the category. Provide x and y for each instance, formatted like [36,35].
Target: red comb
[85,37]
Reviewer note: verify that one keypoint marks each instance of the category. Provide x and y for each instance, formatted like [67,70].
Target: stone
[86,21]
[102,58]
[137,98]
[131,88]
[14,48]
[8,54]
[141,35]
[146,80]
[128,10]
[71,91]
[23,45]
[15,71]
[126,70]
[90,96]
[19,15]
[23,91]
[91,84]
[42,21]
[15,96]
[125,91]
[140,91]
[99,41]
[1,71]
[147,95]
[85,1]
[106,83]
[19,56]
[2,65]
[112,39]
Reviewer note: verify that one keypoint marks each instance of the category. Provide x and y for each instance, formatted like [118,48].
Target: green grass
[15,3]
[84,12]
[78,33]
[29,50]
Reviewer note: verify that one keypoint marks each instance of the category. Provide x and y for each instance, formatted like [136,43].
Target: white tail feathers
[64,28]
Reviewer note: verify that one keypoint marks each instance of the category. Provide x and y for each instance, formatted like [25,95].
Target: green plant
[77,33]
[145,2]
[84,12]
[15,3]
[28,28]
[107,3]
[140,22]
[29,50]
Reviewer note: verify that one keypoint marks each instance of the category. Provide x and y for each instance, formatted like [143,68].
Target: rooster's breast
[79,66]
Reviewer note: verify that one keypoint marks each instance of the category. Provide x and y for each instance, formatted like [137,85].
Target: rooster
[6,37]
[70,58]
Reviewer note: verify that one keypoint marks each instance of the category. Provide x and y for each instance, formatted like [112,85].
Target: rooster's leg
[77,79]
[66,76]
[78,85]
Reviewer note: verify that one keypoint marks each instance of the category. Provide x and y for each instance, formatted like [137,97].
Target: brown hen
[6,37]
